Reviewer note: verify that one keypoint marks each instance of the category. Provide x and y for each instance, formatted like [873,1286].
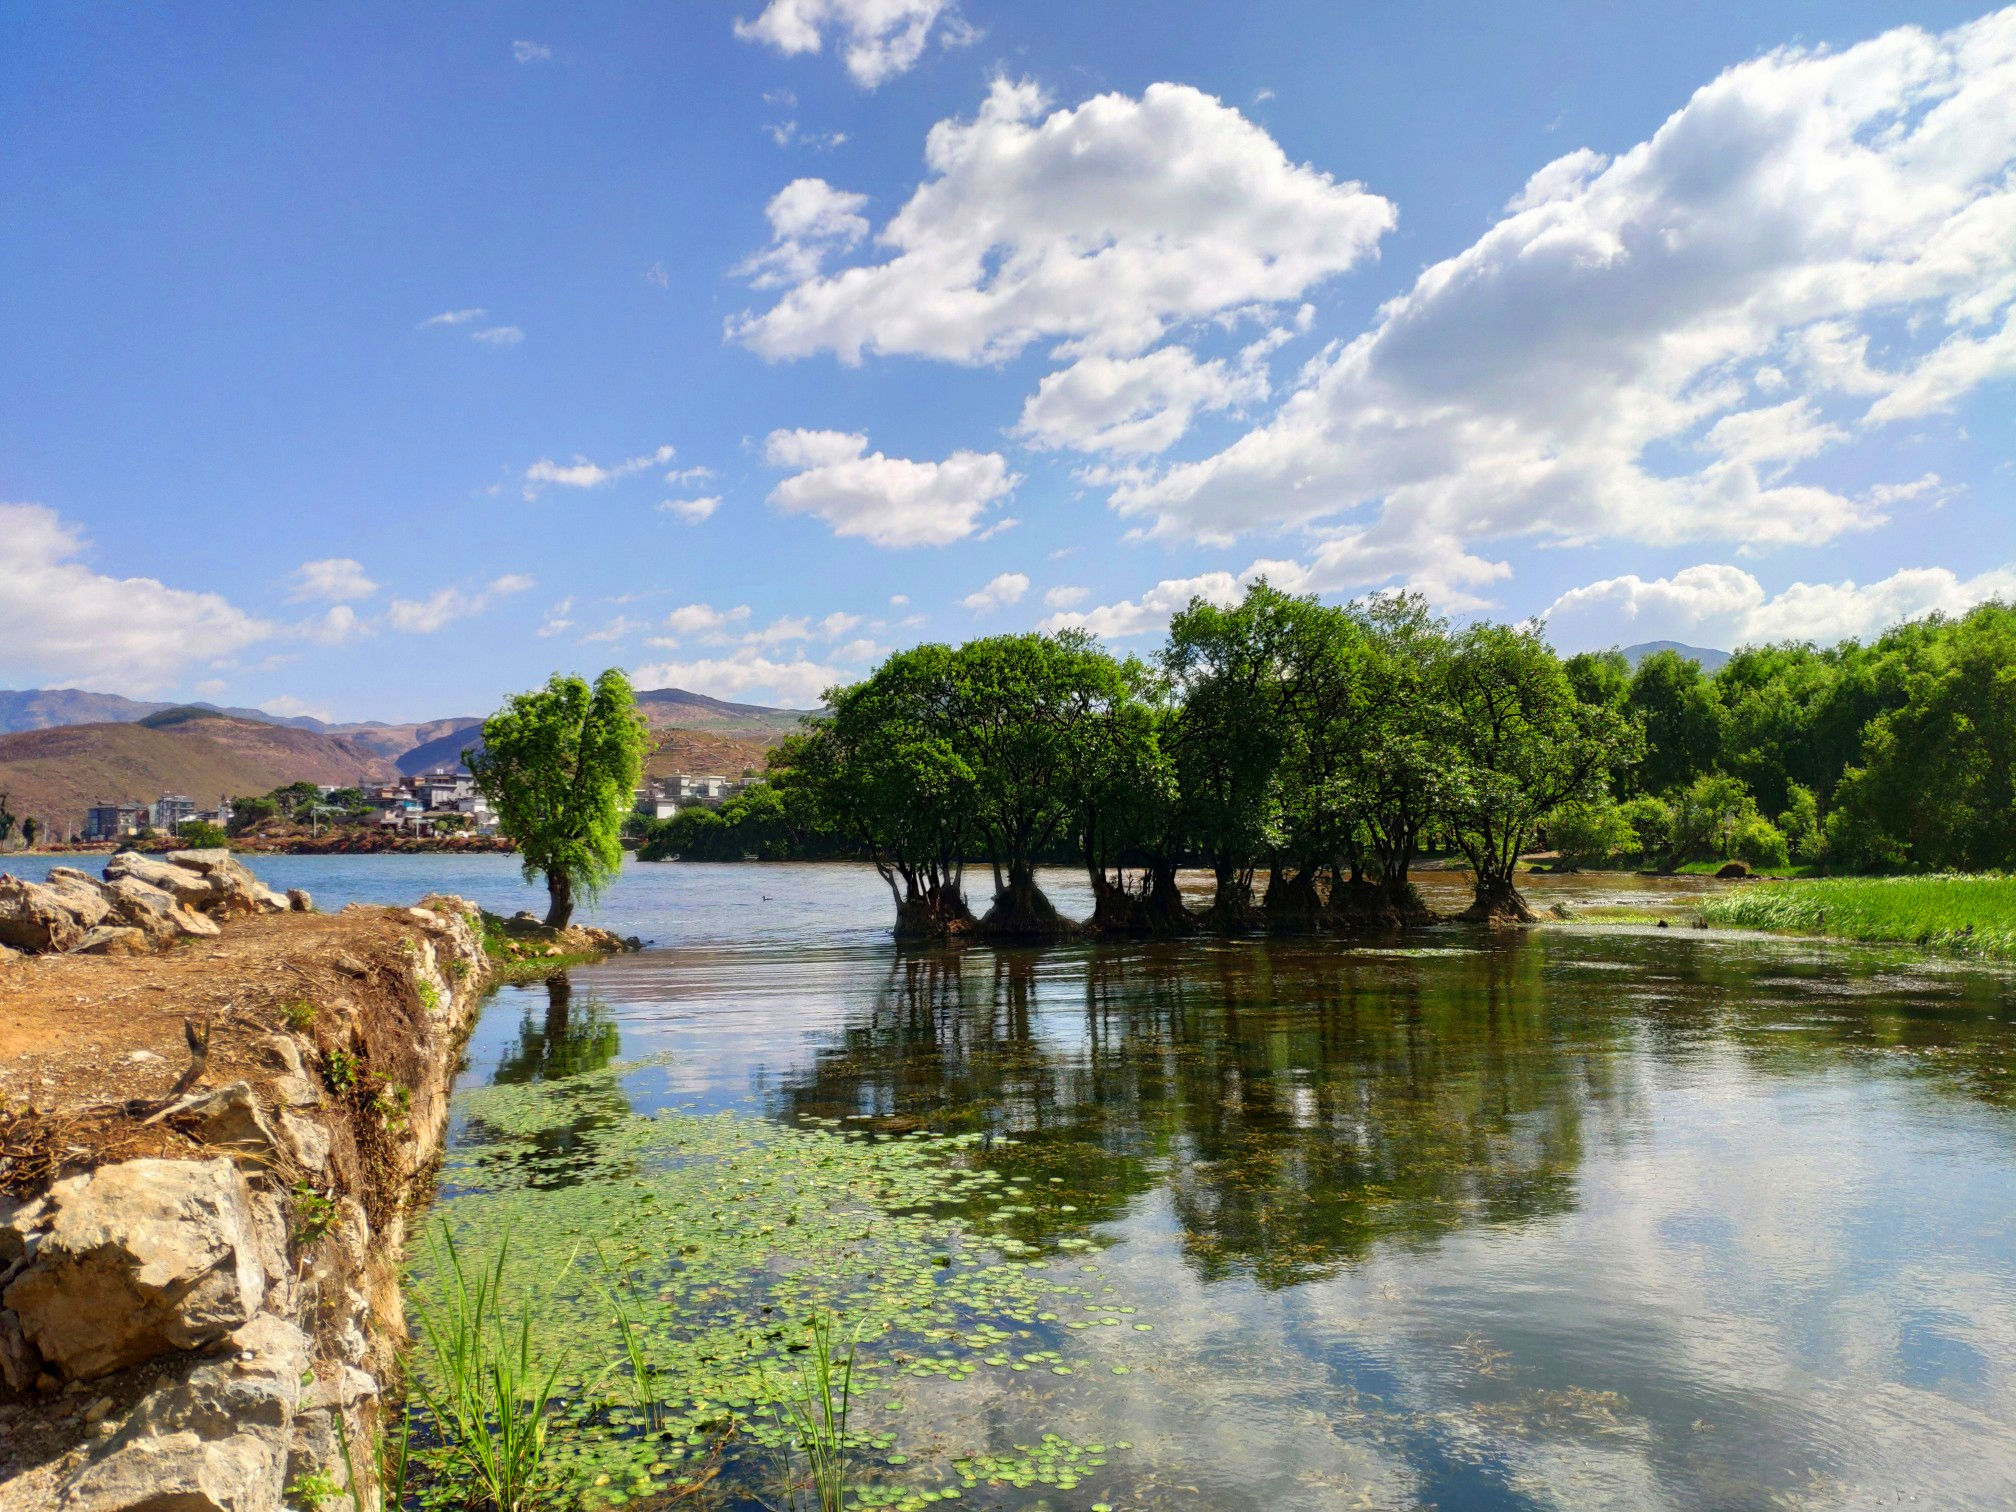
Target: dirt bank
[207,1161]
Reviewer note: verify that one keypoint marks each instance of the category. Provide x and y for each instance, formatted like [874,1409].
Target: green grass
[489,1393]
[1972,914]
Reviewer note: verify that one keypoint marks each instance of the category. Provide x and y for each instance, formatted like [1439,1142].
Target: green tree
[1707,814]
[1030,714]
[6,821]
[1522,745]
[1935,785]
[1401,766]
[1682,716]
[1800,823]
[881,771]
[1589,831]
[560,767]
[1229,739]
[31,831]
[1651,820]
[200,834]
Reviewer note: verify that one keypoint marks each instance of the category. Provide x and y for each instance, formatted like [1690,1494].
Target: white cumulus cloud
[703,620]
[878,39]
[796,683]
[1725,606]
[424,616]
[1153,610]
[692,511]
[582,473]
[61,622]
[1099,226]
[889,501]
[1836,230]
[333,580]
[530,52]
[998,592]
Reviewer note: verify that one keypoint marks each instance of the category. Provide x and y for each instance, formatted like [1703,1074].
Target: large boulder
[233,887]
[53,915]
[186,885]
[112,939]
[156,911]
[135,1259]
[214,1441]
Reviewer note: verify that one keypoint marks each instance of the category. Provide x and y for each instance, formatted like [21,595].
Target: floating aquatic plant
[714,1232]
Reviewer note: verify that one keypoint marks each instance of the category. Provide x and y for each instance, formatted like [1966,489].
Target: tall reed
[488,1395]
[819,1412]
[644,1390]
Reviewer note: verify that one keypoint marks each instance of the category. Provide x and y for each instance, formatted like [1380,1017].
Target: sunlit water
[1573,1217]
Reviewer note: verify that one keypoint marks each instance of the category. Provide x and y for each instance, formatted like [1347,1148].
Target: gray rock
[187,886]
[214,1441]
[44,916]
[112,939]
[230,1117]
[136,1259]
[234,889]
[307,1140]
[300,900]
[155,909]
[19,1363]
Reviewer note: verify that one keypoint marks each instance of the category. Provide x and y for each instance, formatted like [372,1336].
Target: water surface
[1571,1217]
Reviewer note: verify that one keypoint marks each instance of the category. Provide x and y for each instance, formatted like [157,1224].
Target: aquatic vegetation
[488,1389]
[718,1235]
[1972,914]
[820,1409]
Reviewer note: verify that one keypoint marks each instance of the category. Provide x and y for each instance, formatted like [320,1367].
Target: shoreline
[281,1170]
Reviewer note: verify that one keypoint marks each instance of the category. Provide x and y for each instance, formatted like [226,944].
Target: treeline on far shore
[1307,754]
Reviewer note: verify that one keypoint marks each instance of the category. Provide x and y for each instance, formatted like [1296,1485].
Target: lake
[1568,1217]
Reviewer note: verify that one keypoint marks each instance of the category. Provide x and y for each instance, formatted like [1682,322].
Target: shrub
[1800,823]
[1708,814]
[1586,832]
[1651,819]
[1759,842]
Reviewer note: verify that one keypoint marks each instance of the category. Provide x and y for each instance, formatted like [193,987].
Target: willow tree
[560,765]
[880,769]
[1520,745]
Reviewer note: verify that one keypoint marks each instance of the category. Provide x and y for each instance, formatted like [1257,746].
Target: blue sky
[375,361]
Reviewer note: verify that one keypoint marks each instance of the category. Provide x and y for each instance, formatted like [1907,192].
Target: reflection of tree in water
[1300,1104]
[573,1038]
[569,1040]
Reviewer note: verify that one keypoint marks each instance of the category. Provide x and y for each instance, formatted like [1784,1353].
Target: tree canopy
[560,765]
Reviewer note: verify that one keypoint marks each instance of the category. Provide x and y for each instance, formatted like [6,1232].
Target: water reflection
[1566,1219]
[558,1036]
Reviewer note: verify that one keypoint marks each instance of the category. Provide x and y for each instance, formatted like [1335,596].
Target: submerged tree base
[1022,911]
[934,916]
[1498,904]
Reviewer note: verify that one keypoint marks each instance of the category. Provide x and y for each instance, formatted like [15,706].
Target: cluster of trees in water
[1320,745]
[1326,747]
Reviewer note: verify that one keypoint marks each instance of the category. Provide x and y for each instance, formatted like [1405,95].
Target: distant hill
[692,733]
[675,708]
[60,753]
[57,773]
[1711,660]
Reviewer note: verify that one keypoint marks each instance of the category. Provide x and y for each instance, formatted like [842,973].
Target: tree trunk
[1022,912]
[1498,902]
[1232,909]
[1292,902]
[560,895]
[934,912]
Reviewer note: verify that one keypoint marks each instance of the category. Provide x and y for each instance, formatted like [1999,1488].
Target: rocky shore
[209,1155]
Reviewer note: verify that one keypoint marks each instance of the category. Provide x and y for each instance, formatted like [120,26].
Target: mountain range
[64,749]
[1712,661]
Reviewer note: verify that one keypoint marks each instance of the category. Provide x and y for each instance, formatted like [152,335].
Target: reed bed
[1974,915]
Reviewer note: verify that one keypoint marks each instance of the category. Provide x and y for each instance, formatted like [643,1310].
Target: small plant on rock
[298,1015]
[314,1217]
[341,1069]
